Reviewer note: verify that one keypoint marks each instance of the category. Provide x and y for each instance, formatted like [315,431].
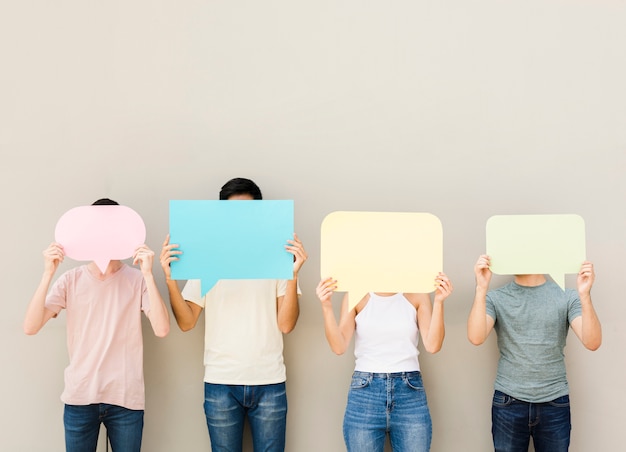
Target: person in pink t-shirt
[104,379]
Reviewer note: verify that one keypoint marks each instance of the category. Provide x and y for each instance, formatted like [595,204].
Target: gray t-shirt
[532,325]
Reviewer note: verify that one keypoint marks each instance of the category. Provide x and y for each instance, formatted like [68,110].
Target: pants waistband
[413,373]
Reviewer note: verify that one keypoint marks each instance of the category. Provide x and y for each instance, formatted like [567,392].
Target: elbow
[475,340]
[31,327]
[30,330]
[184,327]
[162,331]
[287,326]
[286,329]
[338,351]
[433,349]
[593,346]
[185,323]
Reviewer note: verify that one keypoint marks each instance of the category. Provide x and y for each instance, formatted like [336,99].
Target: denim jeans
[82,426]
[514,422]
[227,406]
[381,404]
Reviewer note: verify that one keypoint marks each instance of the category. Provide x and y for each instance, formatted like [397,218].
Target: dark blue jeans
[82,426]
[391,404]
[227,406]
[514,422]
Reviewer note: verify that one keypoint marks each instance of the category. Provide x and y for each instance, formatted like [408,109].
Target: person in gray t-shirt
[532,316]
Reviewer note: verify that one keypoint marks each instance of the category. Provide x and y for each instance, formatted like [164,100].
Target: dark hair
[240,186]
[105,202]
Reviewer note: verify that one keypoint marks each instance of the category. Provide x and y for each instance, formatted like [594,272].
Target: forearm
[477,331]
[289,307]
[182,311]
[36,313]
[334,336]
[591,328]
[436,330]
[158,315]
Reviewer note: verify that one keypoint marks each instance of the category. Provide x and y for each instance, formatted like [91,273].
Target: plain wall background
[464,109]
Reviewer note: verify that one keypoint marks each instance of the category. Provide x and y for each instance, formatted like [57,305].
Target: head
[105,202]
[240,187]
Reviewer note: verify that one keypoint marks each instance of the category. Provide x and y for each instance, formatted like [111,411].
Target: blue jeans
[82,426]
[381,404]
[515,421]
[227,406]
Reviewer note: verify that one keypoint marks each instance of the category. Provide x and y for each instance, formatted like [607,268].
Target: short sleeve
[57,297]
[192,292]
[573,305]
[281,288]
[491,308]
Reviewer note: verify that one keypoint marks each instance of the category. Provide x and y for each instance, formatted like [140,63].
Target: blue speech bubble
[231,240]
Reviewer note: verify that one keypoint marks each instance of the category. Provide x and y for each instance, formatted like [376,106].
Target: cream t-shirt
[242,342]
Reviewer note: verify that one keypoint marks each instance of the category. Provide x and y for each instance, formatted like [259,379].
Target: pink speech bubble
[100,233]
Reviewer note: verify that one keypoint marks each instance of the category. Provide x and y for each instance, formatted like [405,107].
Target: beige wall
[464,109]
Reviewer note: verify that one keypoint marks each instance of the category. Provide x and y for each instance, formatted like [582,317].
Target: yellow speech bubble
[381,252]
[536,244]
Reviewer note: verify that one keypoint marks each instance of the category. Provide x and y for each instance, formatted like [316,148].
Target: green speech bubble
[536,244]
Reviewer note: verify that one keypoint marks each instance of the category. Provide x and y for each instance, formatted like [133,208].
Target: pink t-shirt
[104,337]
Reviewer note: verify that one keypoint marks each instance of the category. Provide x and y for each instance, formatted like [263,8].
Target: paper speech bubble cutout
[536,244]
[381,252]
[231,240]
[100,233]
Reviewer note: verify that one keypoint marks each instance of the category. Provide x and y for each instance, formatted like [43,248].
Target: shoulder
[498,292]
[360,305]
[72,274]
[417,299]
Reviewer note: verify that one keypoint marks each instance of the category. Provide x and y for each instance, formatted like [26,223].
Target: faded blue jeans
[227,406]
[381,404]
[82,426]
[514,422]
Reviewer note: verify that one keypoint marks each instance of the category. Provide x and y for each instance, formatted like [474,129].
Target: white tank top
[386,335]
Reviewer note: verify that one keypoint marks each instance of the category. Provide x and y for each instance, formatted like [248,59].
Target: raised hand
[325,289]
[53,256]
[296,248]
[169,253]
[444,286]
[585,279]
[482,271]
[144,256]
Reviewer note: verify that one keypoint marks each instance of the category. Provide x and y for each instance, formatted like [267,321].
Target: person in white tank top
[386,396]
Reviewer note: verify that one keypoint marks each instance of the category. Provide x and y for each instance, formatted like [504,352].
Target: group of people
[243,353]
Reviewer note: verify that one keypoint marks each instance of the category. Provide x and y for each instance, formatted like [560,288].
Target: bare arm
[587,326]
[287,306]
[339,334]
[185,312]
[158,315]
[430,318]
[479,324]
[37,314]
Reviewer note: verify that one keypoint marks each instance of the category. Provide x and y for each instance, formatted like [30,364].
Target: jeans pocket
[500,399]
[414,382]
[560,402]
[360,382]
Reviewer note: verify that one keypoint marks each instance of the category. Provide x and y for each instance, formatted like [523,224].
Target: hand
[169,253]
[144,256]
[585,279]
[482,271]
[325,289]
[299,254]
[444,287]
[53,256]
